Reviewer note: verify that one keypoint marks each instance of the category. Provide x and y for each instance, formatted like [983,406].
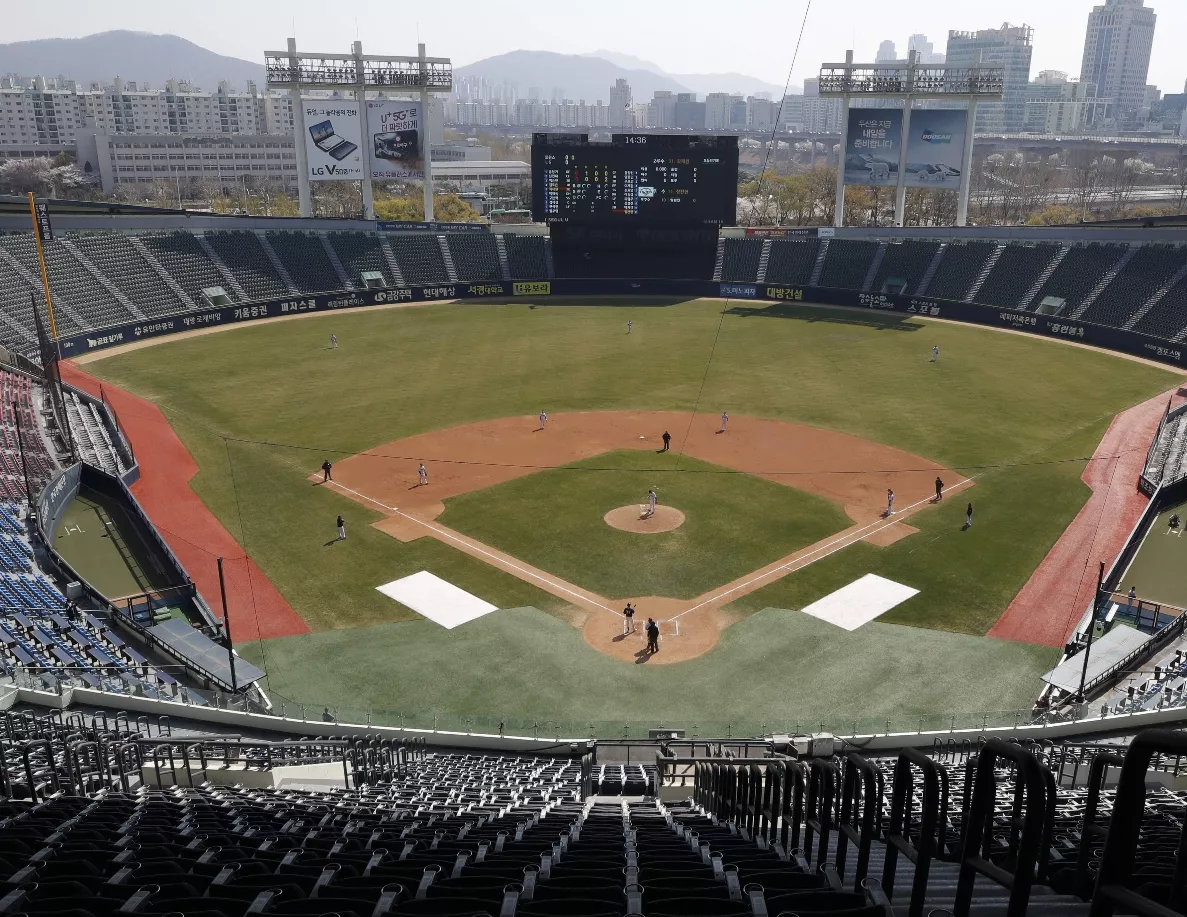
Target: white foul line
[476,548]
[836,546]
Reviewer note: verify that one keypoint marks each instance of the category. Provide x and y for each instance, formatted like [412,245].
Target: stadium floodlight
[358,73]
[906,81]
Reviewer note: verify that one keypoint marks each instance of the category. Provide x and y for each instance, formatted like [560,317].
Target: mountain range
[153,59]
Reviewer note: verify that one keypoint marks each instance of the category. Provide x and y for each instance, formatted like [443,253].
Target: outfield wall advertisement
[1046,325]
[332,140]
[935,148]
[396,128]
[872,146]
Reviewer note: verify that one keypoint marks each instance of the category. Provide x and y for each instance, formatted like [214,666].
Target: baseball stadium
[318,530]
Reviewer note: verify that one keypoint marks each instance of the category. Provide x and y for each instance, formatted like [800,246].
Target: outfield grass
[261,406]
[734,523]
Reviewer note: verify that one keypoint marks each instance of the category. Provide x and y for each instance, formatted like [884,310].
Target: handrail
[1117,863]
[822,781]
[795,779]
[973,859]
[1090,831]
[859,793]
[930,829]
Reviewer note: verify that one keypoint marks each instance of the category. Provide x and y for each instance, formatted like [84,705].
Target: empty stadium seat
[907,261]
[360,252]
[1081,269]
[183,257]
[958,269]
[475,256]
[847,263]
[1152,266]
[305,259]
[1015,272]
[526,256]
[243,255]
[117,258]
[791,261]
[419,257]
[740,262]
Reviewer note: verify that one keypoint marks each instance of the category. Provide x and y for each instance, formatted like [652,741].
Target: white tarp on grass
[439,601]
[860,602]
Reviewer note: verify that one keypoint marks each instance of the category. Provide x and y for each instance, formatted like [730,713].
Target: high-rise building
[661,110]
[620,104]
[717,111]
[689,113]
[1117,52]
[1009,47]
[1058,105]
[927,51]
[886,52]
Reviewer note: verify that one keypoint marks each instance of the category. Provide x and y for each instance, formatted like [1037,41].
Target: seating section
[475,256]
[959,268]
[37,461]
[305,259]
[72,282]
[1168,317]
[24,250]
[1081,269]
[791,261]
[1151,267]
[907,261]
[1015,272]
[91,436]
[359,252]
[526,256]
[243,255]
[183,257]
[847,263]
[740,260]
[114,255]
[419,257]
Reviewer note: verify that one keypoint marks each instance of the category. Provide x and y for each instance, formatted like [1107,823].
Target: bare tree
[1085,180]
[1180,179]
[1121,176]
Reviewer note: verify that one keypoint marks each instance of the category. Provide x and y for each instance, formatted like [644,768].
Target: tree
[448,208]
[1085,180]
[1180,180]
[42,175]
[1121,177]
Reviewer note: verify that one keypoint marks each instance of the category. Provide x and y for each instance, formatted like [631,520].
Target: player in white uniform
[543,419]
[725,419]
[424,474]
[628,325]
[333,342]
[889,502]
[935,353]
[651,501]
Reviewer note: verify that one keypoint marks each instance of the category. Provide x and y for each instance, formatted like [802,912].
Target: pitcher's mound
[634,518]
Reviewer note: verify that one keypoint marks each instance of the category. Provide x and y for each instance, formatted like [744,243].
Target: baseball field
[828,410]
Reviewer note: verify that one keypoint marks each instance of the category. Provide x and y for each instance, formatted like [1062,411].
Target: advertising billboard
[872,147]
[332,138]
[935,148]
[396,149]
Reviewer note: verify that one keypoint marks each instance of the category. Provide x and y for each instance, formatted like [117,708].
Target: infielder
[543,419]
[424,474]
[725,419]
[889,502]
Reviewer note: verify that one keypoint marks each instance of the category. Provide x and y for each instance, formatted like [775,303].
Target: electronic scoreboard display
[635,178]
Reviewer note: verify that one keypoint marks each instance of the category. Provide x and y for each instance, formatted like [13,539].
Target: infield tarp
[203,653]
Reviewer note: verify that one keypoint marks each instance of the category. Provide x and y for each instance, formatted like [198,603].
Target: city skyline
[676,37]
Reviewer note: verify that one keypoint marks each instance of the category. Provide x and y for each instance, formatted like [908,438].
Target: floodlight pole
[966,161]
[839,207]
[900,190]
[361,94]
[427,134]
[304,192]
[222,588]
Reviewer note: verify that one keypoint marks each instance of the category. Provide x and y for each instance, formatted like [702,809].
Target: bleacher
[91,436]
[907,262]
[847,263]
[1078,273]
[959,267]
[1015,272]
[114,254]
[23,249]
[243,255]
[419,257]
[475,256]
[740,261]
[359,253]
[305,259]
[182,256]
[19,389]
[791,261]
[1149,268]
[1167,318]
[526,256]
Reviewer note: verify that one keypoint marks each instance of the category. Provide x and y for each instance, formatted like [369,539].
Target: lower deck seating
[243,255]
[958,269]
[847,263]
[740,260]
[305,259]
[1015,272]
[526,256]
[475,256]
[419,257]
[791,261]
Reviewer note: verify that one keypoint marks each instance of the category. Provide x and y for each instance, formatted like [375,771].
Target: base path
[257,608]
[1058,593]
[851,471]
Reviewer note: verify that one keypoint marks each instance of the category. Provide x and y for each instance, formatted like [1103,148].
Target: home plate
[860,602]
[439,601]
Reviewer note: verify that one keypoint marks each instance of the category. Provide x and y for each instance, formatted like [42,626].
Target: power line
[783,101]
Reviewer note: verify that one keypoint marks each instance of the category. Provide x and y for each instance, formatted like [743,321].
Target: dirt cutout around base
[852,472]
[635,518]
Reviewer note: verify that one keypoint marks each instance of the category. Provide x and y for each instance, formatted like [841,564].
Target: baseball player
[628,619]
[424,474]
[935,353]
[968,517]
[725,419]
[333,342]
[651,501]
[629,323]
[939,489]
[543,419]
[341,529]
[326,468]
[889,502]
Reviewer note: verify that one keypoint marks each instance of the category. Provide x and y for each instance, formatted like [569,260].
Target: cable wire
[783,101]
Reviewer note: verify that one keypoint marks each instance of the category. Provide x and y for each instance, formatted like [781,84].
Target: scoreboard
[635,178]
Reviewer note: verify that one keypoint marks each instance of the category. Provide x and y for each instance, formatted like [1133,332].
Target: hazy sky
[682,36]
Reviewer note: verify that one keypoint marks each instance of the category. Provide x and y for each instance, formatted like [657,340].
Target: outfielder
[629,323]
[333,342]
[935,353]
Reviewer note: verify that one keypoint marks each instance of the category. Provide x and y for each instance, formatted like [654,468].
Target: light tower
[358,73]
[906,82]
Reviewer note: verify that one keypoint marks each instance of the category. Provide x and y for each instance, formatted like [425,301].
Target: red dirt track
[257,609]
[1047,608]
